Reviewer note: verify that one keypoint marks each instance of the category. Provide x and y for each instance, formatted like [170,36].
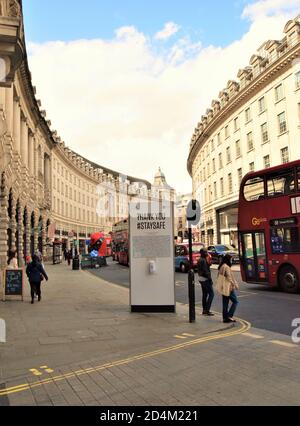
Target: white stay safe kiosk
[152,272]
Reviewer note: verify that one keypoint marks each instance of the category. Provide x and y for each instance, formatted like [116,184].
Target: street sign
[193,213]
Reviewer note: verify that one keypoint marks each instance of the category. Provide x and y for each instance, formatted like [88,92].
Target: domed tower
[161,189]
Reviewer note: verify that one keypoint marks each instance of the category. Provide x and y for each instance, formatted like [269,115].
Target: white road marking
[180,337]
[282,343]
[253,336]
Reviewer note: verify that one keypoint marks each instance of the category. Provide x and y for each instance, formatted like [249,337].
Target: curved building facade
[254,124]
[47,191]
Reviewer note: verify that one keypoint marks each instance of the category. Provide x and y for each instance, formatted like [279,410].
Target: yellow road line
[180,337]
[282,343]
[188,335]
[245,326]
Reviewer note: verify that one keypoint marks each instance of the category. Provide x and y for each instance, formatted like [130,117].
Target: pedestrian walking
[206,282]
[36,273]
[12,262]
[226,286]
[69,257]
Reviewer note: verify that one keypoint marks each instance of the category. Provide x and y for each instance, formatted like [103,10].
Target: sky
[125,82]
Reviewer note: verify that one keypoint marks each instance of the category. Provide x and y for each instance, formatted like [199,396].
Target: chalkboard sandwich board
[13,282]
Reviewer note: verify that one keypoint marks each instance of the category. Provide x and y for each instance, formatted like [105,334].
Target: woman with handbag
[226,285]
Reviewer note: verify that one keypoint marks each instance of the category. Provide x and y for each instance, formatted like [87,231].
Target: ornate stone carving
[14,9]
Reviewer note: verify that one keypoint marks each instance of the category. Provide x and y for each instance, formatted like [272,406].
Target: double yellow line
[245,326]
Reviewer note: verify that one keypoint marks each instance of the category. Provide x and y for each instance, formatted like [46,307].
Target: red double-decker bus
[269,229]
[120,243]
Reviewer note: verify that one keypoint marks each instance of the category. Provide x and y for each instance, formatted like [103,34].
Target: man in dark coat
[36,273]
[206,283]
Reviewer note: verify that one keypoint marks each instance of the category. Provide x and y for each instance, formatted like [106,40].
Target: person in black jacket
[206,283]
[36,273]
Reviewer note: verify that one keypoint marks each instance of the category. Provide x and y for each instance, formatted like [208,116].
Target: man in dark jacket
[36,274]
[206,283]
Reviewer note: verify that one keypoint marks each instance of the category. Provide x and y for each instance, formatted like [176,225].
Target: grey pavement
[82,346]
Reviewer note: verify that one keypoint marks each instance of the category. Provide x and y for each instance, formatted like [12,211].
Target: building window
[248,115]
[219,139]
[236,124]
[262,104]
[282,123]
[240,176]
[264,133]
[214,165]
[209,193]
[238,149]
[220,161]
[251,167]
[222,186]
[227,132]
[297,78]
[228,154]
[212,145]
[250,141]
[284,155]
[230,183]
[267,161]
[208,169]
[278,92]
[215,190]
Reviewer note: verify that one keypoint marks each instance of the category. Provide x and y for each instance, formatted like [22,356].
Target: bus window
[298,178]
[281,183]
[254,189]
[249,256]
[261,255]
[285,240]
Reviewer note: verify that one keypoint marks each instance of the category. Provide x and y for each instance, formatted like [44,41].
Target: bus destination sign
[284,222]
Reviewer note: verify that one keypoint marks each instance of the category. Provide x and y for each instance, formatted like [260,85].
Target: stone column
[17,125]
[20,233]
[28,234]
[13,226]
[9,109]
[44,236]
[24,141]
[36,233]
[3,224]
[36,158]
[31,154]
[47,171]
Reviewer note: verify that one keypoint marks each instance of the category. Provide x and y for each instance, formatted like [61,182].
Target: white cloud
[264,8]
[168,31]
[127,107]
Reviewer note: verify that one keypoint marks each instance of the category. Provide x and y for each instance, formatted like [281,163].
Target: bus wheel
[183,268]
[288,279]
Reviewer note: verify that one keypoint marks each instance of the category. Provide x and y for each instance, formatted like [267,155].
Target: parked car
[219,250]
[182,256]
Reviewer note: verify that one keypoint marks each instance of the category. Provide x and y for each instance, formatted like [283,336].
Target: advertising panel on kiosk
[152,277]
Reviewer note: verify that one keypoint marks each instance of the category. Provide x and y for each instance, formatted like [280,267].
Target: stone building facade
[47,191]
[253,125]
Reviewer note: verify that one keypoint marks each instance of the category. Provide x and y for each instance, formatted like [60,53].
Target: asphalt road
[264,307]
